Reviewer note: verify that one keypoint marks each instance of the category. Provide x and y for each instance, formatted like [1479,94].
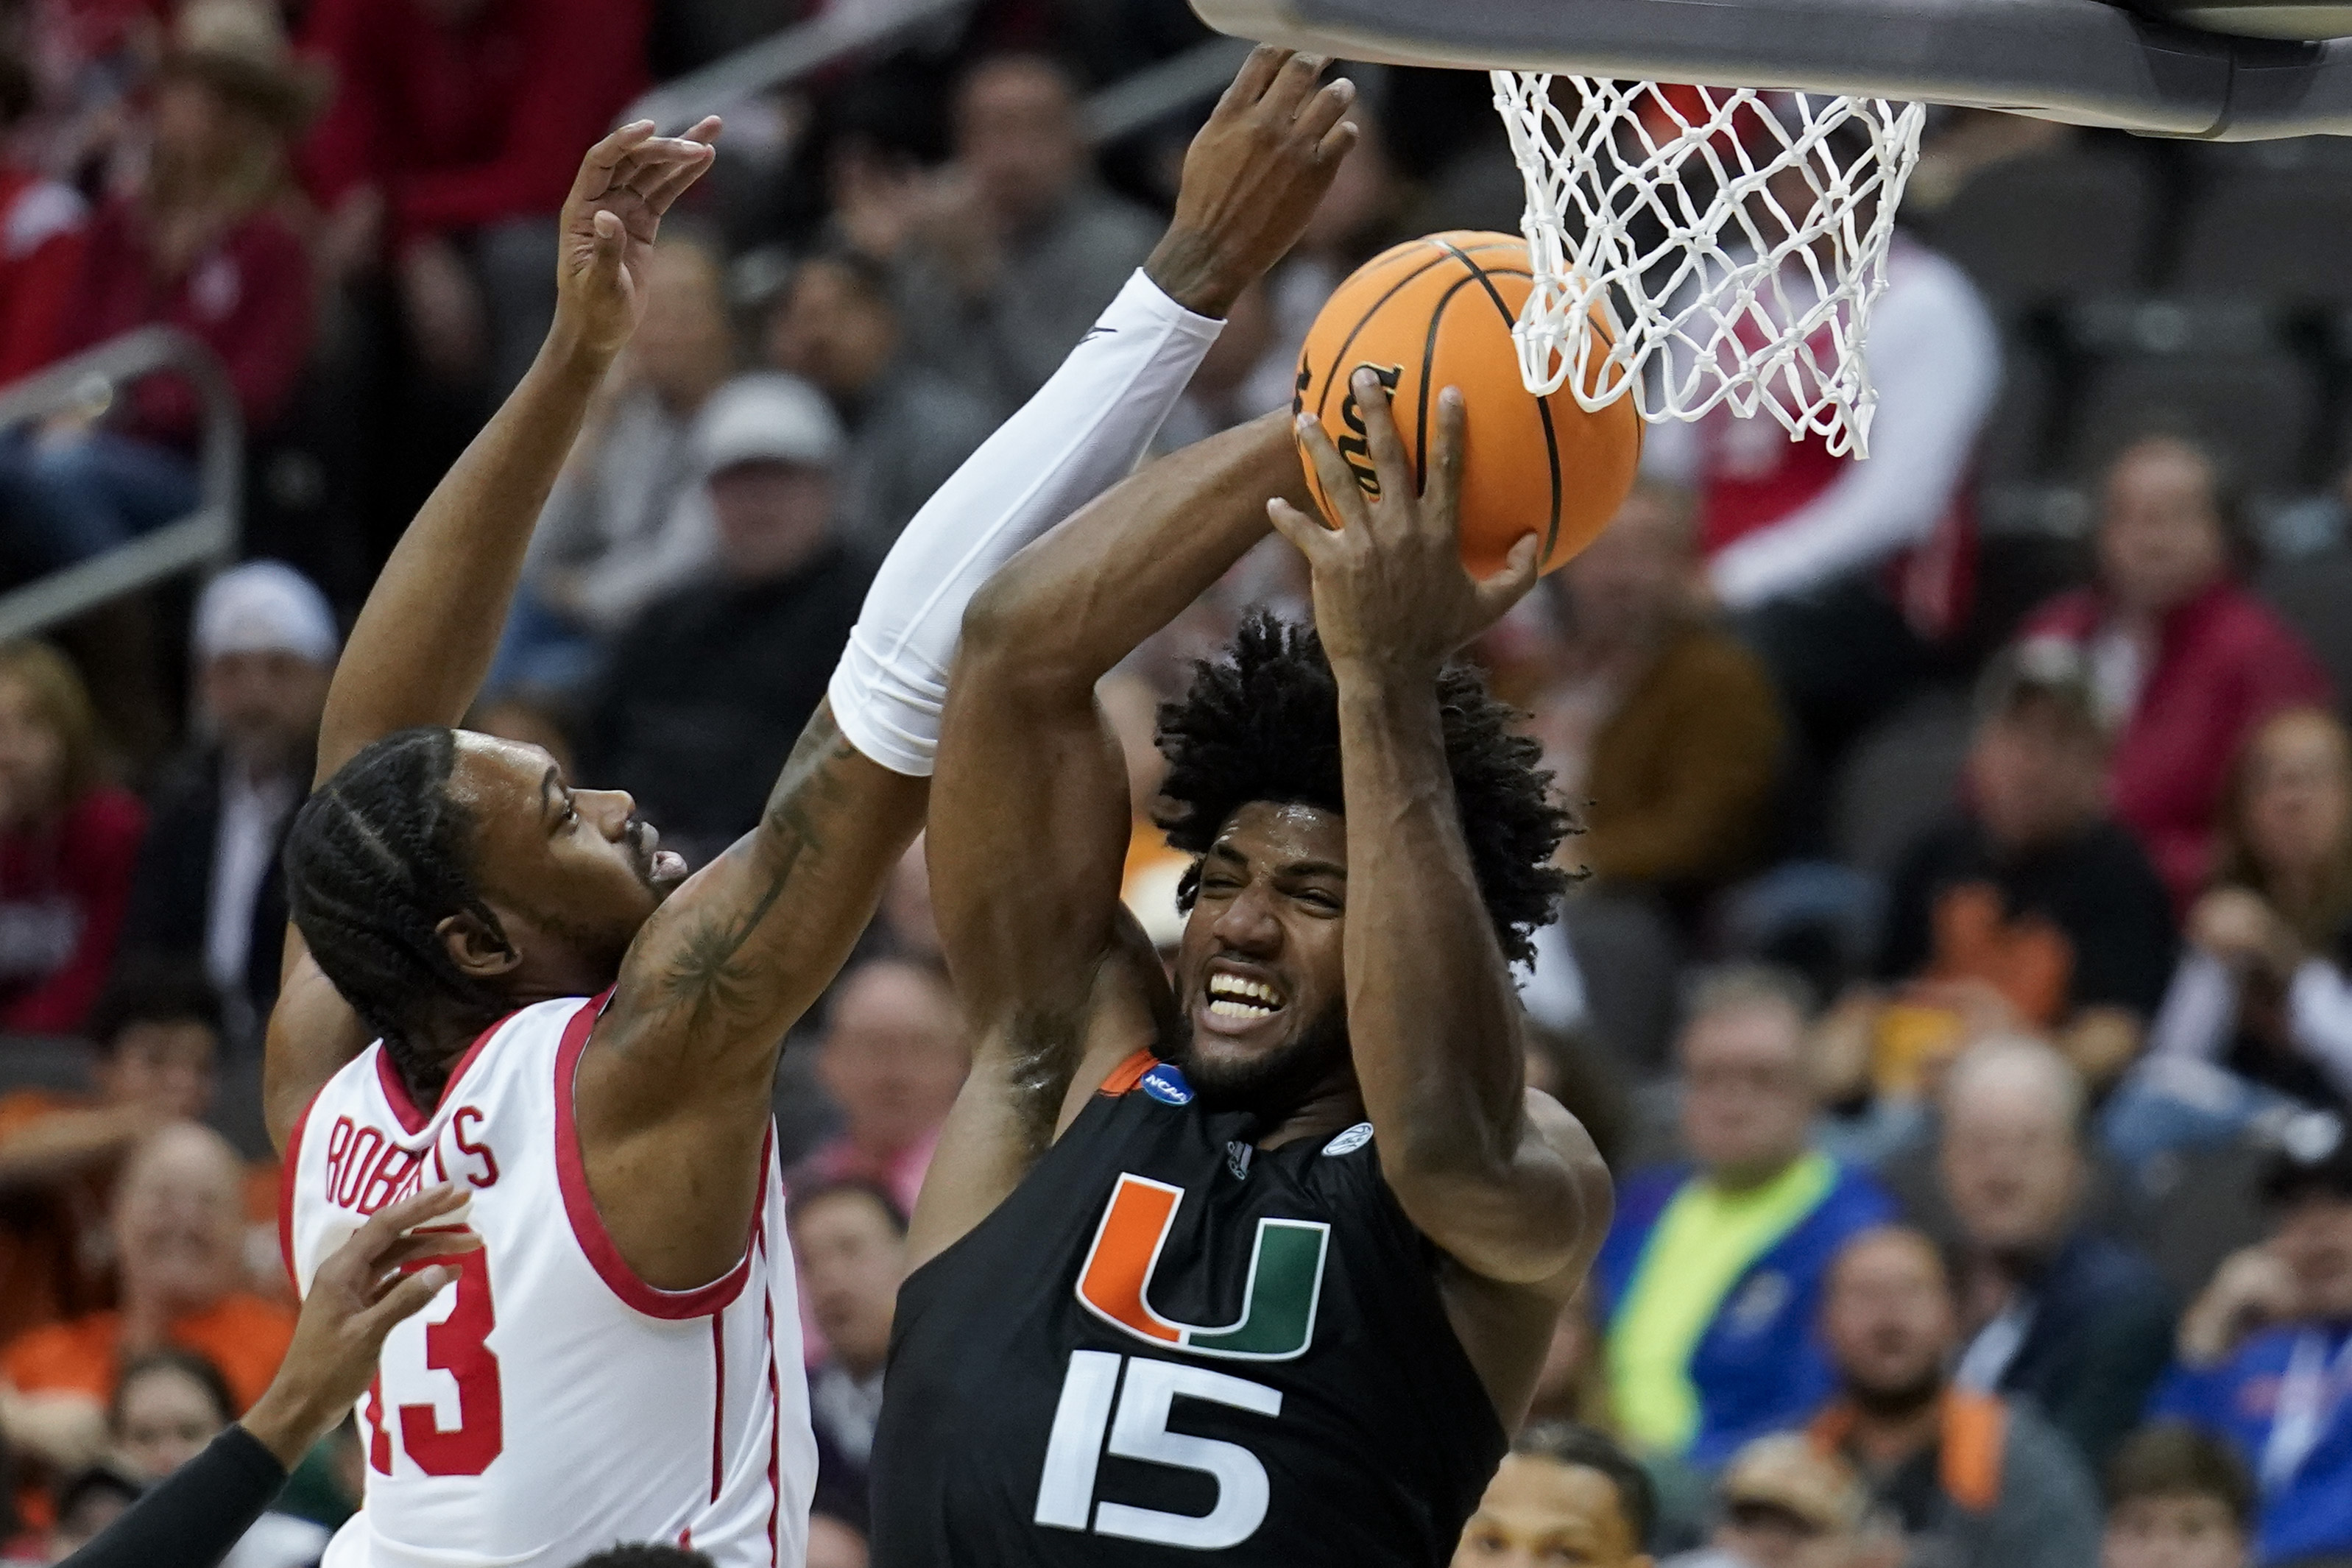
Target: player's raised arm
[678,1073]
[1029,812]
[424,637]
[1501,1178]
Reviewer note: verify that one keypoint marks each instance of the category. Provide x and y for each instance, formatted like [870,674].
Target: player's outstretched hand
[1391,594]
[1252,178]
[626,183]
[357,1296]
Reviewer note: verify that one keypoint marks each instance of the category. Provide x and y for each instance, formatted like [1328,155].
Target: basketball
[1437,312]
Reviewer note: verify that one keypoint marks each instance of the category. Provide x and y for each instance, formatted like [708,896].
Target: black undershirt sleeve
[196,1514]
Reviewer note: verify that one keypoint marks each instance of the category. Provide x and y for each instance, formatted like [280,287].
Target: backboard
[2085,62]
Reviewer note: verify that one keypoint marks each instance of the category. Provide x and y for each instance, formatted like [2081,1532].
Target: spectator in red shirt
[199,246]
[455,133]
[67,845]
[41,224]
[2185,660]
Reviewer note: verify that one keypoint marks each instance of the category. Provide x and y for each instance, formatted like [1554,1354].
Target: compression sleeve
[194,1516]
[1082,433]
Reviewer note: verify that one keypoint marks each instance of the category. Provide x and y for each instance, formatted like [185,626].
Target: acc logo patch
[1166,1084]
[1348,1142]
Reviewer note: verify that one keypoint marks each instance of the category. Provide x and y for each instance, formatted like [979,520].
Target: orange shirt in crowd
[243,1335]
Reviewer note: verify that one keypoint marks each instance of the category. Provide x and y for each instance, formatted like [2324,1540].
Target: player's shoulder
[1144,1073]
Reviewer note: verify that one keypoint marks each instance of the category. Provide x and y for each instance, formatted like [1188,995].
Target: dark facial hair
[1271,1086]
[1894,1404]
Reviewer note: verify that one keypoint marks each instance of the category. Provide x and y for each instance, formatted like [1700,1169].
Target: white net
[1732,239]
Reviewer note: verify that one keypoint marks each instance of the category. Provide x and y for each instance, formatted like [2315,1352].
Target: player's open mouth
[668,865]
[1241,999]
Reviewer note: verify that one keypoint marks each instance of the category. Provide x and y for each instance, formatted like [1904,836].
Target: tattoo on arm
[710,976]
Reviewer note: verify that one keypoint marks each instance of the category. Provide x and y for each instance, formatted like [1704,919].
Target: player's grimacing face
[1259,968]
[571,873]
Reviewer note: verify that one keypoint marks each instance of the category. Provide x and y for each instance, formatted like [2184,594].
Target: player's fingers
[1293,85]
[1324,110]
[1388,460]
[1249,83]
[611,234]
[405,1300]
[1441,490]
[674,181]
[1337,143]
[595,177]
[384,1227]
[1307,534]
[1343,492]
[428,1246]
[1506,587]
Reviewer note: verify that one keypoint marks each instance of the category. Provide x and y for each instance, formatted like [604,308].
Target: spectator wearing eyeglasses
[1710,1277]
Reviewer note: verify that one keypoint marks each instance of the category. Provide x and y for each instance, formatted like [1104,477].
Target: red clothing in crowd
[62,894]
[248,298]
[2222,664]
[41,228]
[461,126]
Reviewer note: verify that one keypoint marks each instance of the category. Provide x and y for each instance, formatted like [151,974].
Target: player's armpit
[313,1033]
[1031,1077]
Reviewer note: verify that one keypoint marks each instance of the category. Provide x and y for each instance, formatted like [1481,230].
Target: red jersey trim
[588,1223]
[1129,1073]
[412,1120]
[290,1164]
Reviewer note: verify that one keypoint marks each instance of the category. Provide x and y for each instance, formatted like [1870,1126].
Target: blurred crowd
[1960,979]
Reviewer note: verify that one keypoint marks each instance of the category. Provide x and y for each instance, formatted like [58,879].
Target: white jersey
[551,1403]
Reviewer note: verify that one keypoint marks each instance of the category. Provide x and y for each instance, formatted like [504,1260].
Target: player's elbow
[1514,1228]
[1017,636]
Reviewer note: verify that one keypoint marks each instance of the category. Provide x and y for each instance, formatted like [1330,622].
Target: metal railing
[843,29]
[850,26]
[205,537]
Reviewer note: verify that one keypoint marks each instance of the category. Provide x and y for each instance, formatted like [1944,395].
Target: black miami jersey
[1169,1346]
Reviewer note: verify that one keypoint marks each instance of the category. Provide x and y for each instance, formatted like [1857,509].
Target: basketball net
[1732,239]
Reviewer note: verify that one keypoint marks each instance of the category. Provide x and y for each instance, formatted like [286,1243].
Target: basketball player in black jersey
[1258,1267]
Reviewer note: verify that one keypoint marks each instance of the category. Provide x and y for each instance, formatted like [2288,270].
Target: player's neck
[1335,1106]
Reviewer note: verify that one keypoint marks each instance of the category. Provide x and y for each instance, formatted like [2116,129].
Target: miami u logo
[1286,1278]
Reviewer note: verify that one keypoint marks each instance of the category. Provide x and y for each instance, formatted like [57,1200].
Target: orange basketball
[1438,313]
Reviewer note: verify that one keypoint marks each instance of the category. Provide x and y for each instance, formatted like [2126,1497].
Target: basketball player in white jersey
[495,978]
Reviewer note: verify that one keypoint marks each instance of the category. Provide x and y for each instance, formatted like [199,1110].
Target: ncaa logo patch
[1166,1084]
[1348,1142]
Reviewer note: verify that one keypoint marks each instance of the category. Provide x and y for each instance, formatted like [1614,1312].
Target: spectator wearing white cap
[705,692]
[207,889]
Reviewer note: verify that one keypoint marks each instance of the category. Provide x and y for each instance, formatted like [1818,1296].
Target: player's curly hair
[376,859]
[1262,723]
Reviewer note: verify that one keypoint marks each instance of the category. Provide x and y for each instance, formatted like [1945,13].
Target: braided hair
[376,859]
[1263,724]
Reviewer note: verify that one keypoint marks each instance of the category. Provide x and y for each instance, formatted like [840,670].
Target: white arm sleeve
[1082,433]
[2319,1019]
[1936,358]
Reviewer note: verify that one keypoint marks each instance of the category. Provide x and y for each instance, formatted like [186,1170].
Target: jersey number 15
[1136,1417]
